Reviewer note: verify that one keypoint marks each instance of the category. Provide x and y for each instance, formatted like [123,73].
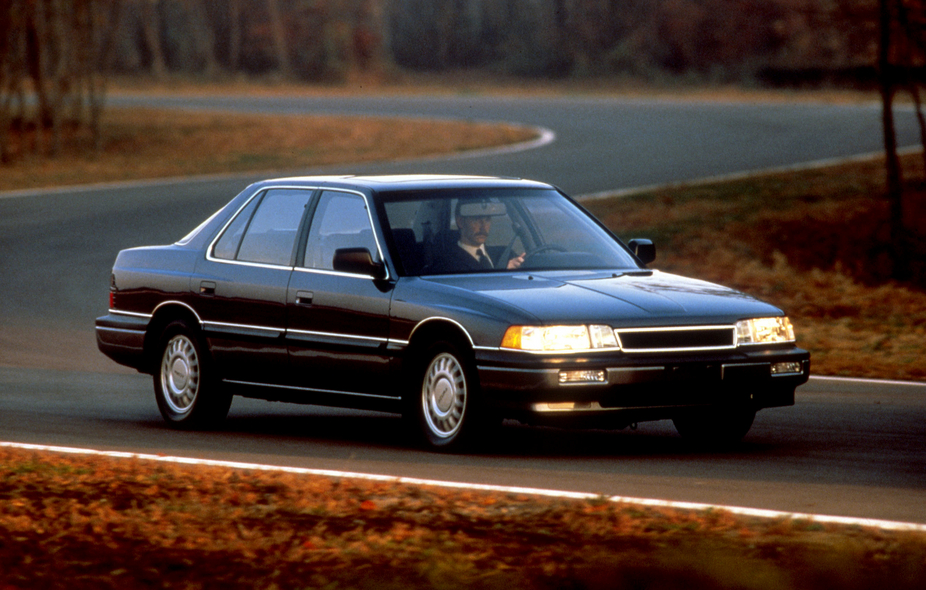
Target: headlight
[560,338]
[764,331]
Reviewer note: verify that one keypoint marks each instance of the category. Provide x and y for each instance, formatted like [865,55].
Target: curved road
[848,448]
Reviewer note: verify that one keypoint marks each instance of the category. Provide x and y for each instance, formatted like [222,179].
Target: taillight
[112,300]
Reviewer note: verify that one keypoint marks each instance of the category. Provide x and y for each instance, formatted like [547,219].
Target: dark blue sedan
[455,301]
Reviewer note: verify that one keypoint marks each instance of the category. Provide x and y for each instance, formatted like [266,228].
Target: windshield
[488,230]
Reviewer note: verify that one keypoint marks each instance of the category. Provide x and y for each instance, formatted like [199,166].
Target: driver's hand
[516,262]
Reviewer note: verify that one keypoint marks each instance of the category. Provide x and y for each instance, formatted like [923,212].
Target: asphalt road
[851,449]
[845,449]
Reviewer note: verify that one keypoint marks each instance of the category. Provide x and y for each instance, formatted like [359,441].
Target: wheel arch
[435,329]
[164,314]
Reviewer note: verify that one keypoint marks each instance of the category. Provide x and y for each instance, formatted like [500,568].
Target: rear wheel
[187,392]
[715,427]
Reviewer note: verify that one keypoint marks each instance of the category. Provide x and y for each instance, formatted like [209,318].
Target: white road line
[544,137]
[887,525]
[868,381]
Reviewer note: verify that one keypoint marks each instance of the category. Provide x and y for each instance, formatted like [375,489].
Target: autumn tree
[13,70]
[901,36]
[53,50]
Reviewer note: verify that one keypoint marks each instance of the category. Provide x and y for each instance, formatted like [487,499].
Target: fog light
[554,406]
[567,377]
[786,368]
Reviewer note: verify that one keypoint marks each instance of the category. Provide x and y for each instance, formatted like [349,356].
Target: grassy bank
[811,242]
[151,143]
[80,522]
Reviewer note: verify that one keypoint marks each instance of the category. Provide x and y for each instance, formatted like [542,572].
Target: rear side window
[227,246]
[265,231]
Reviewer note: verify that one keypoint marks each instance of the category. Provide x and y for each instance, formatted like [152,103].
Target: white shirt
[475,250]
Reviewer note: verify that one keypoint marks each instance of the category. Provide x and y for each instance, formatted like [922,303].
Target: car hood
[639,298]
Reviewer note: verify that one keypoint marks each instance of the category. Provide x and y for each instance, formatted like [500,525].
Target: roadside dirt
[75,522]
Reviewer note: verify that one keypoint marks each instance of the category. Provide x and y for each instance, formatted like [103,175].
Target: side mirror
[643,249]
[358,261]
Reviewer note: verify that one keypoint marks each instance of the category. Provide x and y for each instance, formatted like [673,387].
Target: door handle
[207,288]
[304,297]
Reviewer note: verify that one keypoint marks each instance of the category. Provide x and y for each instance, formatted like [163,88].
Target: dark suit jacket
[453,258]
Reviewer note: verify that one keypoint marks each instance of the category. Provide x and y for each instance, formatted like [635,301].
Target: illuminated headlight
[764,331]
[560,338]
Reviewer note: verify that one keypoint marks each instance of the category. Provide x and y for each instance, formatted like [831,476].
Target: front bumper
[639,387]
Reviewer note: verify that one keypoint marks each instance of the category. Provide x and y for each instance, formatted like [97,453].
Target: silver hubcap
[180,374]
[443,395]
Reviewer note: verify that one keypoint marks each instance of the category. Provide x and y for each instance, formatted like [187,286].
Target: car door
[338,322]
[241,286]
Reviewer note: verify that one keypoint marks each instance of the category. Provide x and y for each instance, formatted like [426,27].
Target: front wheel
[715,427]
[187,393]
[444,397]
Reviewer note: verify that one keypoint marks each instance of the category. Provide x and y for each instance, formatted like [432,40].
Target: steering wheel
[543,248]
[540,249]
[506,253]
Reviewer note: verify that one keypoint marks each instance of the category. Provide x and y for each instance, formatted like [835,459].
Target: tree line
[316,40]
[63,49]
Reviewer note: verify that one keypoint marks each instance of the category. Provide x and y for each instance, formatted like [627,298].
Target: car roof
[406,182]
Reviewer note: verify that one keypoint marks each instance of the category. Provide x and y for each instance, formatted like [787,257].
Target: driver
[475,222]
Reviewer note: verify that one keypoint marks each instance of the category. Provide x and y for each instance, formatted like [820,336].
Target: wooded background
[743,41]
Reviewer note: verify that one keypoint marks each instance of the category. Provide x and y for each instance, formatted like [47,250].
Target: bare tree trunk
[98,42]
[920,119]
[894,177]
[381,22]
[375,39]
[12,70]
[204,37]
[150,23]
[61,46]
[37,72]
[915,39]
[234,35]
[278,33]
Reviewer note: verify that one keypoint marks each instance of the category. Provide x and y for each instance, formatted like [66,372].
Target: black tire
[443,397]
[715,427]
[185,387]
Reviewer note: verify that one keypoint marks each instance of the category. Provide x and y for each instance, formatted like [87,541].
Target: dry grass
[149,143]
[80,522]
[810,242]
[481,83]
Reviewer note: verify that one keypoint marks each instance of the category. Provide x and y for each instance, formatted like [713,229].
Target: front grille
[677,339]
